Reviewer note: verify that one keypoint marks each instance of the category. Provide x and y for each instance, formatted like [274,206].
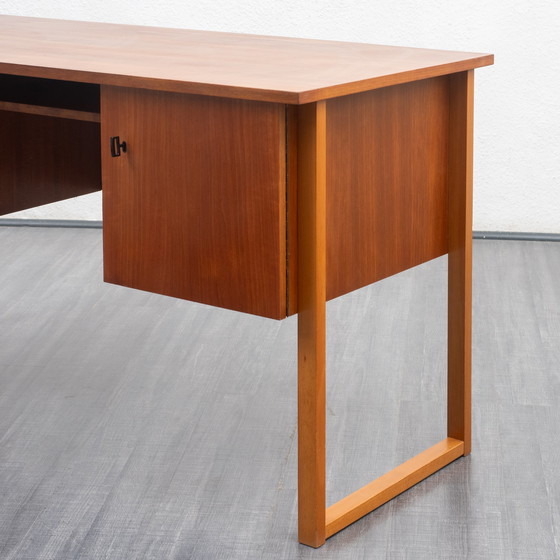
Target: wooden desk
[261,174]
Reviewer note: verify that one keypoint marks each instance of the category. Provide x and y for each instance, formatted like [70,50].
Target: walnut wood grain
[278,69]
[45,159]
[196,208]
[386,182]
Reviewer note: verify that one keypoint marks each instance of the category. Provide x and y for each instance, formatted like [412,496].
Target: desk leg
[460,257]
[316,524]
[311,322]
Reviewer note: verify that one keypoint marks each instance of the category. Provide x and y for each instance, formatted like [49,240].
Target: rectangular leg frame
[316,522]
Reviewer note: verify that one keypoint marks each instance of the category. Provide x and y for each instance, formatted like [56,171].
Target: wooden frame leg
[311,322]
[460,257]
[316,523]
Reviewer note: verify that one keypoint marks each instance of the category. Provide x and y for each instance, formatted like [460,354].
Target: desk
[261,174]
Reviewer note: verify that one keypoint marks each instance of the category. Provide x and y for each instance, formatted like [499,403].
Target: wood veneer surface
[386,182]
[280,69]
[45,159]
[186,212]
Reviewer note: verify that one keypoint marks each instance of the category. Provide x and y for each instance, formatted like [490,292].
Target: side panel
[46,159]
[387,153]
[196,207]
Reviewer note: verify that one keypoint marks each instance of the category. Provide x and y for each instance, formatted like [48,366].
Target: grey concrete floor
[135,426]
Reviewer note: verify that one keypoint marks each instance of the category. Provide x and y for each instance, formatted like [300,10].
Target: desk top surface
[278,69]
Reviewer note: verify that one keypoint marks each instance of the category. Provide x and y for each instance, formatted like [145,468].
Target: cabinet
[187,214]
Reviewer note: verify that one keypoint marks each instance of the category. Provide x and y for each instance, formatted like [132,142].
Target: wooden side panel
[292,206]
[196,208]
[46,159]
[386,182]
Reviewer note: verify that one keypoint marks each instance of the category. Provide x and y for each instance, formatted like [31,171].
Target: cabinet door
[196,206]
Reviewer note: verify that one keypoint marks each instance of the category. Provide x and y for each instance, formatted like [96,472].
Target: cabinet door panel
[195,208]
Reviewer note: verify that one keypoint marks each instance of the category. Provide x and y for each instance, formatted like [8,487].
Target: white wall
[517,115]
